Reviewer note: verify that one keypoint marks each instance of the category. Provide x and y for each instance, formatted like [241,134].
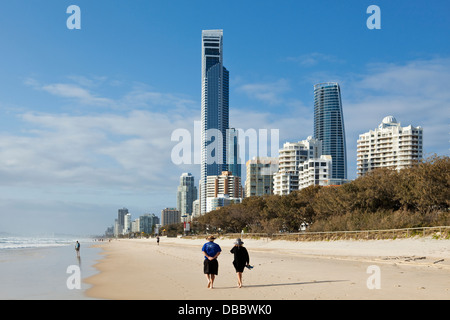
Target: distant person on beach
[157,240]
[241,259]
[211,251]
[77,248]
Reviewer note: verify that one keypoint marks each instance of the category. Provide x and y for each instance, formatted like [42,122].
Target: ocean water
[45,268]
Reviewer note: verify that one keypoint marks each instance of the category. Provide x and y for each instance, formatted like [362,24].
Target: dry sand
[140,269]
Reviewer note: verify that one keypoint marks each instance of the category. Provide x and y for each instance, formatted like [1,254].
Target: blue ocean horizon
[36,268]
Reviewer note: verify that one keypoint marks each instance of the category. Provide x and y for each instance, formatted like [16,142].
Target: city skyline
[87,115]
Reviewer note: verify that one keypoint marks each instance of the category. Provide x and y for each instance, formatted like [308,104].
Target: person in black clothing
[241,259]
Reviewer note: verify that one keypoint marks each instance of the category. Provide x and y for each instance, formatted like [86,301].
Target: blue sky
[86,115]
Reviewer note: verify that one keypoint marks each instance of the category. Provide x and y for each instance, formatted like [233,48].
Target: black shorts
[239,267]
[211,266]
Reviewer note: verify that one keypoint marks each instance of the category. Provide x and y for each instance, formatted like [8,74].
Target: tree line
[418,196]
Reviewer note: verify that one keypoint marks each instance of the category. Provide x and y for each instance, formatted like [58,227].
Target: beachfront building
[214,111]
[120,221]
[116,228]
[187,194]
[315,172]
[223,190]
[222,200]
[127,224]
[260,171]
[109,232]
[329,127]
[135,225]
[170,216]
[290,157]
[196,208]
[389,146]
[226,184]
[147,222]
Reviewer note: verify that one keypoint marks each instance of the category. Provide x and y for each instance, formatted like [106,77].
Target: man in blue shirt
[211,251]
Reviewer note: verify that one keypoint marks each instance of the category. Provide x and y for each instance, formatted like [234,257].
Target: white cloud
[97,162]
[90,150]
[75,92]
[142,96]
[270,92]
[314,58]
[423,78]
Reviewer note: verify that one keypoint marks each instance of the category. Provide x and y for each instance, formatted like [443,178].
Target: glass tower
[215,118]
[329,126]
[187,194]
[233,159]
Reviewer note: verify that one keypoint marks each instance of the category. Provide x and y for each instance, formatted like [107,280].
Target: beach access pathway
[416,268]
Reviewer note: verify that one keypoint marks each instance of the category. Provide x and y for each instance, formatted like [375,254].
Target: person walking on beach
[77,248]
[157,240]
[241,259]
[211,251]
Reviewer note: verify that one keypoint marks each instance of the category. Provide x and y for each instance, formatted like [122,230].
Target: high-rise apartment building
[290,157]
[389,146]
[147,222]
[226,184]
[214,112]
[127,224]
[187,194]
[121,220]
[136,225]
[329,127]
[196,208]
[223,190]
[315,172]
[170,216]
[260,171]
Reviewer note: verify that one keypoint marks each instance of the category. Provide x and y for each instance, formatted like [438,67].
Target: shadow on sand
[282,284]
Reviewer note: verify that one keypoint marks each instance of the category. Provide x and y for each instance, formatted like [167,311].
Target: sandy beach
[283,270]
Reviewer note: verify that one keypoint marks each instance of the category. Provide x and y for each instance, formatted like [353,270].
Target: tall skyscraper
[127,223]
[121,219]
[187,194]
[389,146]
[233,159]
[214,117]
[329,127]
